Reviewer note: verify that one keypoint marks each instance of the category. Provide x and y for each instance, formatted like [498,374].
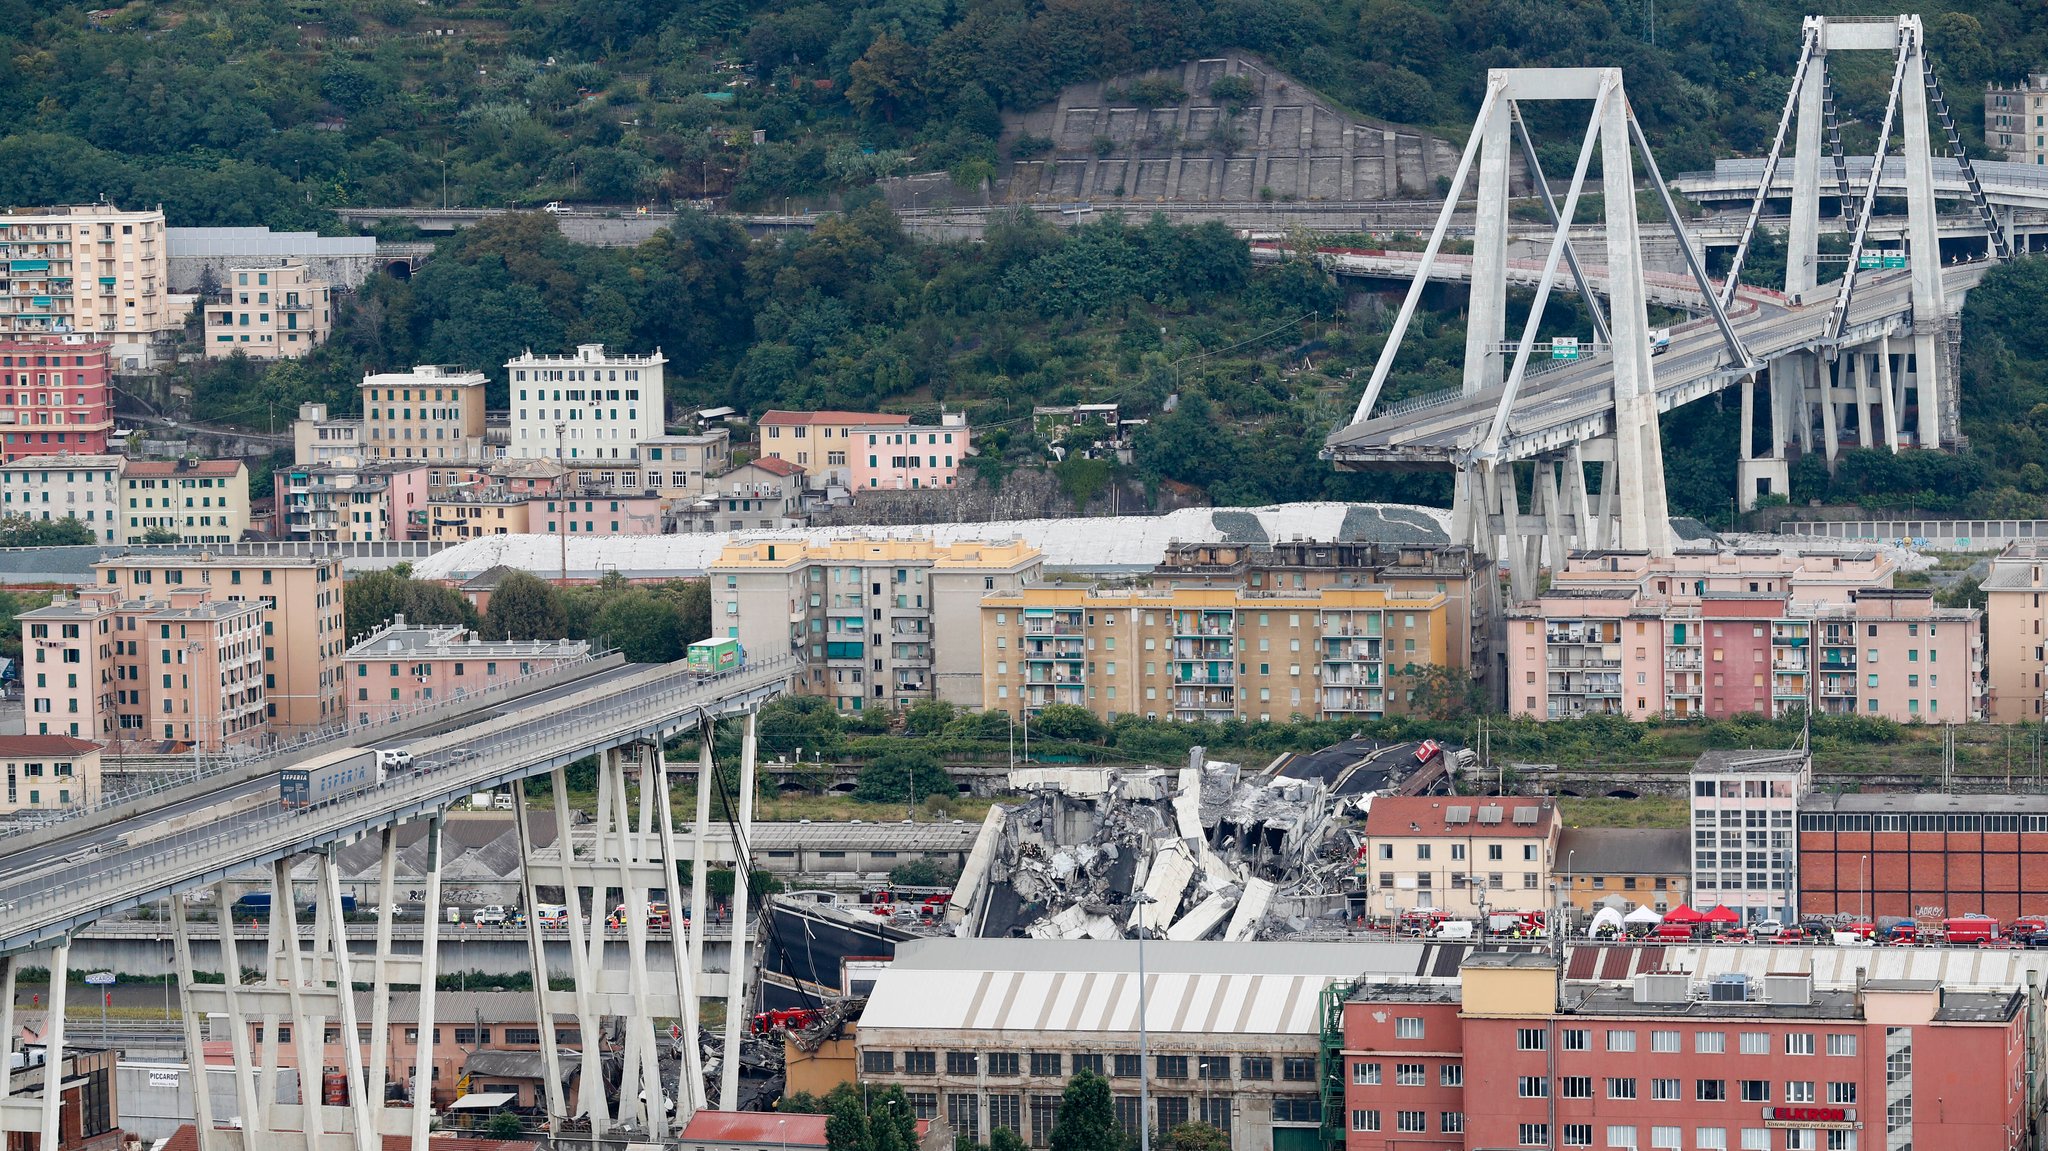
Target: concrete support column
[536,947]
[736,973]
[361,1124]
[1830,433]
[430,968]
[1887,398]
[53,1038]
[689,1094]
[1803,239]
[1859,369]
[1923,251]
[1487,314]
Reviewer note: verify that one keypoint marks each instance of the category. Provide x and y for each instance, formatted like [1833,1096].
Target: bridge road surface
[39,904]
[21,862]
[1567,403]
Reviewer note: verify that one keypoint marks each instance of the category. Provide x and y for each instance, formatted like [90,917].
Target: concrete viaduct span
[1868,358]
[60,886]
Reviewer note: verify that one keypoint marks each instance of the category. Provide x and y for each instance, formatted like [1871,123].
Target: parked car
[394,758]
[491,916]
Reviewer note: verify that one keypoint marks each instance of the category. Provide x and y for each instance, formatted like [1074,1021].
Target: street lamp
[1571,894]
[1143,900]
[1863,883]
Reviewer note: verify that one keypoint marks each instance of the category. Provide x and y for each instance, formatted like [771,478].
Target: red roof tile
[44,745]
[776,465]
[832,417]
[1401,815]
[794,1128]
[186,1138]
[157,468]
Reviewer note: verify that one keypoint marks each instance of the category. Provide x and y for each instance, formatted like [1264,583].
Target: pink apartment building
[54,397]
[867,451]
[185,669]
[1721,634]
[402,666]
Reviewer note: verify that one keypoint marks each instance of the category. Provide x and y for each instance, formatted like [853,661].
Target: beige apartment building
[1210,653]
[433,412]
[680,467]
[2016,651]
[2016,120]
[318,438]
[183,669]
[49,772]
[1463,854]
[276,311]
[303,632]
[468,513]
[203,501]
[878,623]
[89,269]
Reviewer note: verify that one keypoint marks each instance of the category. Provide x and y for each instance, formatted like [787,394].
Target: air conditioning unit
[1730,988]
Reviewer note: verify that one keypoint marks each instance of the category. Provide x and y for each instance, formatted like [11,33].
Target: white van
[1453,929]
[491,916]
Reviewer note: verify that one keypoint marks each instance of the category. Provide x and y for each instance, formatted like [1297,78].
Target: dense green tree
[23,532]
[647,628]
[905,774]
[373,598]
[1196,1137]
[1087,1118]
[1066,721]
[524,606]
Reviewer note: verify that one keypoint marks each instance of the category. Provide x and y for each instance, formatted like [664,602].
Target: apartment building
[304,640]
[984,1033]
[595,511]
[469,513]
[822,443]
[1893,653]
[766,494]
[863,614]
[404,666]
[1625,868]
[591,405]
[1616,635]
[1467,582]
[269,311]
[433,412]
[90,269]
[1513,1055]
[318,438]
[680,467]
[201,501]
[49,772]
[894,458]
[59,487]
[1209,653]
[1745,856]
[2016,119]
[54,396]
[353,502]
[183,669]
[1468,856]
[1922,856]
[2015,654]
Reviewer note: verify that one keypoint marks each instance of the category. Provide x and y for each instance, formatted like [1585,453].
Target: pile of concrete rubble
[1203,852]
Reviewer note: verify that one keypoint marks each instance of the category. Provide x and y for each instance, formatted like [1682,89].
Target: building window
[961,1063]
[921,1063]
[1841,1045]
[1452,1122]
[1575,1087]
[1298,1069]
[1003,1064]
[1528,1039]
[1408,1027]
[1533,1087]
[963,1112]
[1260,1067]
[1571,1038]
[1533,1134]
[1756,1090]
[878,1062]
[1451,1075]
[1840,1093]
[1664,1041]
[1711,1090]
[1411,1075]
[1710,1042]
[1621,1088]
[1621,1040]
[1045,1065]
[1756,1043]
[1127,1066]
[1577,1134]
[1414,1122]
[1006,1111]
[1206,1067]
[1170,1066]
[1365,1120]
[1799,1043]
[1286,1109]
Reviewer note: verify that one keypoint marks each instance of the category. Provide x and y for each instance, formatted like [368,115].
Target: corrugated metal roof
[1102,544]
[1339,959]
[1175,1002]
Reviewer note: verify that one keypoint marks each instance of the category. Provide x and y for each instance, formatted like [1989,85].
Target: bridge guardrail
[203,853]
[337,734]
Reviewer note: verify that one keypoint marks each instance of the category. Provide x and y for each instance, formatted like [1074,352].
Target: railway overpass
[63,880]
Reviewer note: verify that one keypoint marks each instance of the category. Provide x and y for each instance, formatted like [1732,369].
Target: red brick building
[1923,856]
[54,397]
[1512,1056]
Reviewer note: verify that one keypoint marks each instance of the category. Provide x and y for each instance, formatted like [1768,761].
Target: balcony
[1683,660]
[1202,648]
[1050,627]
[1036,697]
[1346,650]
[1036,648]
[1351,676]
[1224,674]
[1371,702]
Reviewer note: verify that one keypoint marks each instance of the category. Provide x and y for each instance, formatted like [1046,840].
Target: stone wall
[1285,143]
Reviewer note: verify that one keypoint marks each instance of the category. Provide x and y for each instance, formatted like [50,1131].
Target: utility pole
[562,497]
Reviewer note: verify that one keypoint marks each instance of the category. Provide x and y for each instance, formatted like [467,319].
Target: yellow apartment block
[1210,653]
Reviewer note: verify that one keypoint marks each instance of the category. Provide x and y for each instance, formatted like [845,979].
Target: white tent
[1606,917]
[1643,915]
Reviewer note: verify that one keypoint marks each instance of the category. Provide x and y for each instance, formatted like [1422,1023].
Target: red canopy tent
[1720,914]
[1683,914]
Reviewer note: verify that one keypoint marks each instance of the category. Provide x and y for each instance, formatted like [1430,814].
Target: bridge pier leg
[689,1094]
[1859,371]
[195,1040]
[1930,307]
[430,971]
[1831,440]
[742,882]
[1889,400]
[53,1050]
[536,947]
